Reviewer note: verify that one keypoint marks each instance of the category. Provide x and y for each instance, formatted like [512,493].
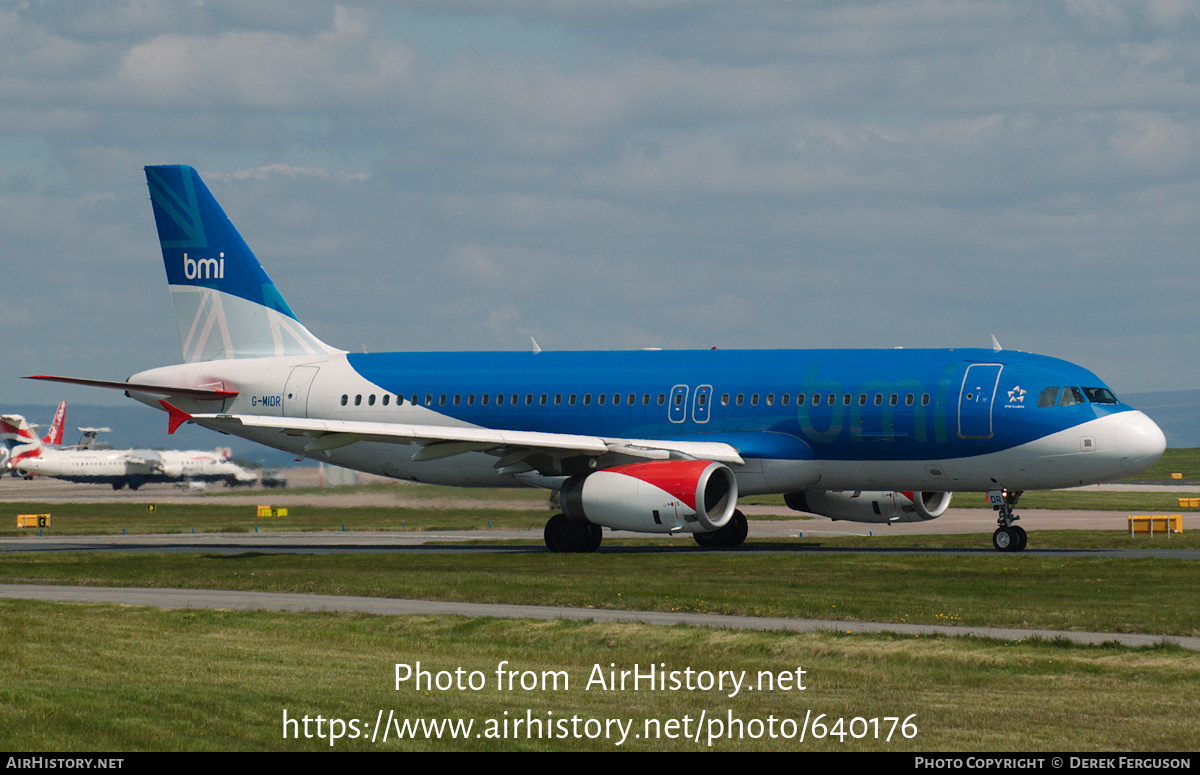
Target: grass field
[104,678]
[110,678]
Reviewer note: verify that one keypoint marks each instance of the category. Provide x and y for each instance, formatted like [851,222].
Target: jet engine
[877,507]
[664,496]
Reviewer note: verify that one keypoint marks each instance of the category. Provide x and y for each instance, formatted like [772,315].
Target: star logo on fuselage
[1016,395]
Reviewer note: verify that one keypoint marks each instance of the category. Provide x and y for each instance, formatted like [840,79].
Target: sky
[610,174]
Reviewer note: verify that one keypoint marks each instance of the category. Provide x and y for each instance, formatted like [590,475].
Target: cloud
[461,175]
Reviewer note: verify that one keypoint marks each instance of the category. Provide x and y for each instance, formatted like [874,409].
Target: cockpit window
[1047,396]
[1100,395]
[1070,397]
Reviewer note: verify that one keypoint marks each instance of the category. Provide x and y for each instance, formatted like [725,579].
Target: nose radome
[1140,442]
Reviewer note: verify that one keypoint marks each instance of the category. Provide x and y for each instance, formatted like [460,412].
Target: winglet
[175,416]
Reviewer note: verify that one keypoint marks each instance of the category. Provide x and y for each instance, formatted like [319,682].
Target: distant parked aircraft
[31,456]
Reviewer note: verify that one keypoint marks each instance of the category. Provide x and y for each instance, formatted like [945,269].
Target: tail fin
[19,438]
[225,304]
[55,436]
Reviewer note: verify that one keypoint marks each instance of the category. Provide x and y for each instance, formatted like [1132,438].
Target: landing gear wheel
[567,535]
[1008,537]
[731,535]
[595,535]
[558,534]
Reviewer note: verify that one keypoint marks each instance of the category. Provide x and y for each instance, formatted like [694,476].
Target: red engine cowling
[665,496]
[877,507]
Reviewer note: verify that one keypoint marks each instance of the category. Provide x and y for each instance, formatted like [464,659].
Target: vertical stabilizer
[19,438]
[225,304]
[55,436]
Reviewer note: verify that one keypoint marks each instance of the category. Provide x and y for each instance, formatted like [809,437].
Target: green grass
[1152,596]
[107,678]
[117,518]
[1183,461]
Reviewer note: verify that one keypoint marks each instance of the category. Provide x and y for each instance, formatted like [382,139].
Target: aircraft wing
[513,448]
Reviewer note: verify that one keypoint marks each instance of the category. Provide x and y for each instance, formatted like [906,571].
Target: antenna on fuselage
[995,344]
[536,347]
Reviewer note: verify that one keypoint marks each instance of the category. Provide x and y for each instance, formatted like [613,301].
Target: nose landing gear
[1008,537]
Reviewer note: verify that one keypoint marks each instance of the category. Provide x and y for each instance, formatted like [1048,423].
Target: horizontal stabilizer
[199,394]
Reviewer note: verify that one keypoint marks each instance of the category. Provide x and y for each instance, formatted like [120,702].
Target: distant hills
[1177,412]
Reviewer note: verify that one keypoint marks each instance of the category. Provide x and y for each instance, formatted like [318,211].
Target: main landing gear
[566,535]
[1008,537]
[732,534]
[572,536]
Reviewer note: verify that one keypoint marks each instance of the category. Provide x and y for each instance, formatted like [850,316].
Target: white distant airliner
[649,441]
[31,456]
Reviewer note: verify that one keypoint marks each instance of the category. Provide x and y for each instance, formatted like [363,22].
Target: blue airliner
[649,441]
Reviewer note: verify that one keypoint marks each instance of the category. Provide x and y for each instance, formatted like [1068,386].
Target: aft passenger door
[295,392]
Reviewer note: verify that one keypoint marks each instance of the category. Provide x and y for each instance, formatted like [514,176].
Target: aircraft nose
[1140,442]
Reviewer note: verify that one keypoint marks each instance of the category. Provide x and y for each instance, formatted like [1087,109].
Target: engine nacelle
[663,496]
[877,507]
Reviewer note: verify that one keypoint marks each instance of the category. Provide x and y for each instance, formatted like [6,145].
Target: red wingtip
[175,416]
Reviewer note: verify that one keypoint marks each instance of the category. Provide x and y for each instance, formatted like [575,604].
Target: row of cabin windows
[631,399]
[501,398]
[829,399]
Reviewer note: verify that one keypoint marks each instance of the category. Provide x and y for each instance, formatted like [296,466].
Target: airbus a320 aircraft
[648,441]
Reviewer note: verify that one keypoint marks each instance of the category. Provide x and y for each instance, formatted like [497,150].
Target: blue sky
[598,175]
